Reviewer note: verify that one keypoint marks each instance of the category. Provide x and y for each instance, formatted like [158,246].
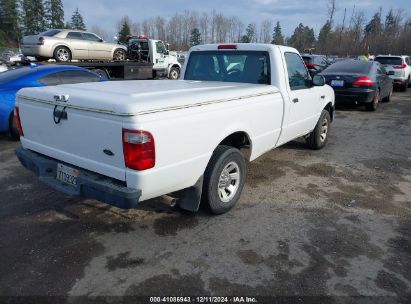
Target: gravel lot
[335,222]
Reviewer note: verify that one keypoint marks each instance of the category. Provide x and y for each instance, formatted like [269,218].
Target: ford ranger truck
[129,141]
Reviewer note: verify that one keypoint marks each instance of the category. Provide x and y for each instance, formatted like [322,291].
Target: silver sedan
[66,45]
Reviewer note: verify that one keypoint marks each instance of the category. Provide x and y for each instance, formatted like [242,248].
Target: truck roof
[242,47]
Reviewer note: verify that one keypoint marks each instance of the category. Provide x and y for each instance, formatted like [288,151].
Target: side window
[74,35]
[161,49]
[71,77]
[298,76]
[91,37]
[50,80]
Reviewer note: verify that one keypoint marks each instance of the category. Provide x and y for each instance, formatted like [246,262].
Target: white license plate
[66,174]
[337,83]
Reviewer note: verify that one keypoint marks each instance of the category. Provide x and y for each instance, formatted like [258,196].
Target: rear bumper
[354,95]
[89,184]
[37,51]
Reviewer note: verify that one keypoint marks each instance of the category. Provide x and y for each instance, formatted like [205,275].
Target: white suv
[401,67]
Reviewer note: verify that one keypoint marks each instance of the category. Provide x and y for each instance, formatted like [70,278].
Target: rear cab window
[228,66]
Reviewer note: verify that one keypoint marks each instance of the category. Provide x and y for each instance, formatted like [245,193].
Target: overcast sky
[107,13]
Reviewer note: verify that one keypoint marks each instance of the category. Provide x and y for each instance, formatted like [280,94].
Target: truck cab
[143,49]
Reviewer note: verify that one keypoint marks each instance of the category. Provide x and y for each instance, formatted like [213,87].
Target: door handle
[295,100]
[322,96]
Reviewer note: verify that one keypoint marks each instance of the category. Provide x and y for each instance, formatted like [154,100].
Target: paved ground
[331,222]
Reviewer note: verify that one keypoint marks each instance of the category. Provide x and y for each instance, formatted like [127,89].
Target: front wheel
[224,179]
[119,55]
[174,73]
[318,138]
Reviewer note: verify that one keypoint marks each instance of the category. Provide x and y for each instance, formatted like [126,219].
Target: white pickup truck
[129,141]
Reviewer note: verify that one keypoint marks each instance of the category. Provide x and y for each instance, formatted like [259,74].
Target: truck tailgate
[85,139]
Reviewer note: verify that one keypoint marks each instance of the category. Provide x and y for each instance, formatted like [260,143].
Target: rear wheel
[318,138]
[14,132]
[102,72]
[224,179]
[62,54]
[374,104]
[388,98]
[119,55]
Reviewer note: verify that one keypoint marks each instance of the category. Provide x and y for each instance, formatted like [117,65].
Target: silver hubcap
[174,74]
[119,55]
[229,182]
[63,55]
[324,129]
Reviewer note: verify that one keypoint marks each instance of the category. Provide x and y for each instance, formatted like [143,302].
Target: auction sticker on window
[67,175]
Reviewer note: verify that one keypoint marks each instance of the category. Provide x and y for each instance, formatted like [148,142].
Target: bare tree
[101,32]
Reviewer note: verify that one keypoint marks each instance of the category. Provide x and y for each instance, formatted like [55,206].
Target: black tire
[174,73]
[374,104]
[318,138]
[119,55]
[14,132]
[62,54]
[388,97]
[102,72]
[41,58]
[217,179]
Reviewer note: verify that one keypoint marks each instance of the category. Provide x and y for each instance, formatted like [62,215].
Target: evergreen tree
[67,25]
[324,38]
[124,33]
[54,14]
[302,38]
[77,21]
[278,37]
[249,34]
[374,26]
[195,37]
[9,19]
[33,17]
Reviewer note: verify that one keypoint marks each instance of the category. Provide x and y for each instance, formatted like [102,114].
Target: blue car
[36,76]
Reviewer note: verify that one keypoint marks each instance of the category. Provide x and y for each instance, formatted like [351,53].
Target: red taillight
[310,65]
[398,67]
[17,120]
[227,47]
[139,149]
[363,81]
[41,41]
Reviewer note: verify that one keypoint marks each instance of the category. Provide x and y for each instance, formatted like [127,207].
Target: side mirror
[101,40]
[390,73]
[318,80]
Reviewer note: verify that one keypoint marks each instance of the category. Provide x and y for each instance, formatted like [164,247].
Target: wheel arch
[330,108]
[61,44]
[237,139]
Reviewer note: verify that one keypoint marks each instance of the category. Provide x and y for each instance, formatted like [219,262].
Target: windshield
[12,75]
[229,66]
[389,60]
